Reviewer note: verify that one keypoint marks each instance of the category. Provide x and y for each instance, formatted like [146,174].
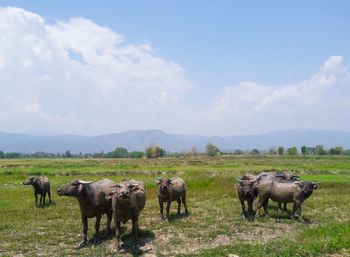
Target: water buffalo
[42,187]
[171,190]
[93,202]
[247,191]
[280,177]
[128,200]
[285,192]
[285,177]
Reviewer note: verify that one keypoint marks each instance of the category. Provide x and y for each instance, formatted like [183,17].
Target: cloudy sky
[222,68]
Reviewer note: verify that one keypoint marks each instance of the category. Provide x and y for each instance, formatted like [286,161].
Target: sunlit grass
[214,226]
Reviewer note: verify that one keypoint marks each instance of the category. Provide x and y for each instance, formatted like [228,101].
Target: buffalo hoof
[178,214]
[81,244]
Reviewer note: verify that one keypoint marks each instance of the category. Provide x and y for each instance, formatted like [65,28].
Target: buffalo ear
[159,180]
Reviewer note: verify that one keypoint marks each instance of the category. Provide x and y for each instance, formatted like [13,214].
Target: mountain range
[140,139]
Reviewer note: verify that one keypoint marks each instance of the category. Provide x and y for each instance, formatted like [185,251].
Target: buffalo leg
[36,199]
[109,220]
[161,208]
[293,210]
[135,225]
[298,210]
[285,207]
[265,208]
[168,204]
[49,194]
[184,203]
[178,206]
[41,200]
[117,233]
[85,229]
[243,207]
[97,228]
[44,198]
[259,205]
[250,209]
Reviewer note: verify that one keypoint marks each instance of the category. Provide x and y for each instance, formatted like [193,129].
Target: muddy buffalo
[93,201]
[41,187]
[128,200]
[295,192]
[284,176]
[169,190]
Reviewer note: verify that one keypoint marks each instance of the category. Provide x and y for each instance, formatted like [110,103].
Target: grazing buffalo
[285,192]
[42,187]
[171,190]
[128,200]
[93,201]
[247,191]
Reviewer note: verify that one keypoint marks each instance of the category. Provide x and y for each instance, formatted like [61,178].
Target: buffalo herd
[125,200]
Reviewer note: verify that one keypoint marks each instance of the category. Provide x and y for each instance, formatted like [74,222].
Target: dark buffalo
[171,190]
[247,191]
[93,201]
[41,187]
[129,199]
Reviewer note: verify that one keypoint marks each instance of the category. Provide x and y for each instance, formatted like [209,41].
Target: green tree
[303,150]
[2,155]
[154,151]
[120,152]
[280,150]
[254,152]
[67,154]
[238,152]
[319,150]
[136,154]
[211,150]
[338,150]
[292,151]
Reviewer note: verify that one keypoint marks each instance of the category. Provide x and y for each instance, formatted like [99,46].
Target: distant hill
[139,140]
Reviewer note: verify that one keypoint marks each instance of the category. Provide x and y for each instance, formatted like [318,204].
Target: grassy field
[214,226]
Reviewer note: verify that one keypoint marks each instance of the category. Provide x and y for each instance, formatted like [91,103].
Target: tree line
[155,151]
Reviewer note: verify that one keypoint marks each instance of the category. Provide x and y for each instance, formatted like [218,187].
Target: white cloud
[53,70]
[75,76]
[320,102]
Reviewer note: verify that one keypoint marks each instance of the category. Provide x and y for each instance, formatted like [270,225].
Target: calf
[42,187]
[128,200]
[171,190]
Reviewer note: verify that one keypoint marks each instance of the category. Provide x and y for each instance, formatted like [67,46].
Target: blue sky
[218,45]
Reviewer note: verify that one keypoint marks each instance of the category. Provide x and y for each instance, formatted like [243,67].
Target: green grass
[214,226]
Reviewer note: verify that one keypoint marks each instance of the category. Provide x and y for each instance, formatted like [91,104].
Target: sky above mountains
[223,68]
